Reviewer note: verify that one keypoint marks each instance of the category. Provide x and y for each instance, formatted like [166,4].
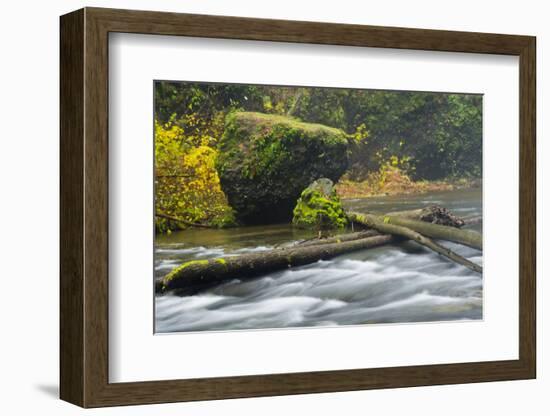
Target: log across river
[384,284]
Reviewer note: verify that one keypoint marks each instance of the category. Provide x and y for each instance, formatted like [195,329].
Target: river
[389,284]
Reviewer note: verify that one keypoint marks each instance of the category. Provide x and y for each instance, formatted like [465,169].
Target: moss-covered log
[204,272]
[433,214]
[468,238]
[340,238]
[384,226]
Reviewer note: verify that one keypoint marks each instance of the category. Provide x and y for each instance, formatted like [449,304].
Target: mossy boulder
[265,161]
[319,207]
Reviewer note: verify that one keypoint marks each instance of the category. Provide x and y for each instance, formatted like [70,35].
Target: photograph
[292,206]
[298,205]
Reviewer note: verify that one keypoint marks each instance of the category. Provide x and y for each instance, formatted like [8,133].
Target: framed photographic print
[255,207]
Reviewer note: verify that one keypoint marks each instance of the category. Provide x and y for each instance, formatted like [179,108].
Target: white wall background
[29,160]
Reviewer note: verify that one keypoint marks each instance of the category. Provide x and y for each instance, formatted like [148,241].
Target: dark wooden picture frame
[84,207]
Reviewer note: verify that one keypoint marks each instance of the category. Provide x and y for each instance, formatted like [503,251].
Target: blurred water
[389,284]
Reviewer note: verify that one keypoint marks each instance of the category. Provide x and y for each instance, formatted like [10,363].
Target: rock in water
[319,208]
[265,161]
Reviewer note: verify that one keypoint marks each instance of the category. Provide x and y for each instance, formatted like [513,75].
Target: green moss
[221,261]
[265,161]
[289,260]
[176,271]
[315,210]
[252,123]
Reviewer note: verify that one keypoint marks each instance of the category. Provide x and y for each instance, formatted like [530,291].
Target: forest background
[399,141]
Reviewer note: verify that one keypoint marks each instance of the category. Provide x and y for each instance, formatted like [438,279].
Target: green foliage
[318,211]
[439,134]
[187,185]
[207,100]
[360,135]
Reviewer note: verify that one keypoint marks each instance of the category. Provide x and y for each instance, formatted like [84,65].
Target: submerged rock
[319,207]
[265,161]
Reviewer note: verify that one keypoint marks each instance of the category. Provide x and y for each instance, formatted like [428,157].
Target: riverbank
[394,182]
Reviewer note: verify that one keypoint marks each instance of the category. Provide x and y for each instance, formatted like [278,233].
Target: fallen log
[384,226]
[469,238]
[337,239]
[202,272]
[433,214]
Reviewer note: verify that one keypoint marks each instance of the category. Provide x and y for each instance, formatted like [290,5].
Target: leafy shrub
[187,185]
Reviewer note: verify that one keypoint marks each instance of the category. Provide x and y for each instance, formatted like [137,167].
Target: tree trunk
[341,238]
[469,238]
[381,224]
[203,272]
[181,220]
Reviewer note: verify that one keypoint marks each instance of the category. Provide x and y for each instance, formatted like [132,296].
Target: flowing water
[388,284]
